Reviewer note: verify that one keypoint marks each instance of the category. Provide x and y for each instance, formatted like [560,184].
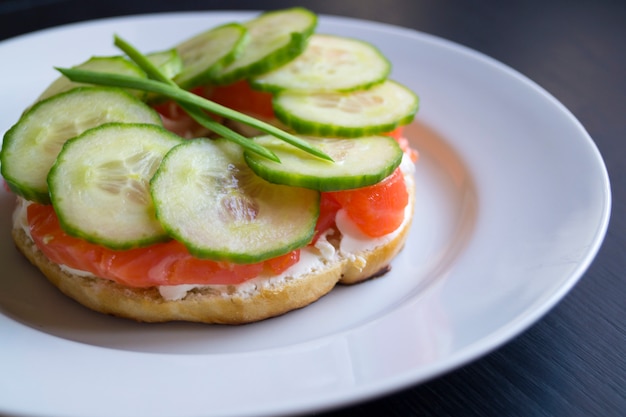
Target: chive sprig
[193,104]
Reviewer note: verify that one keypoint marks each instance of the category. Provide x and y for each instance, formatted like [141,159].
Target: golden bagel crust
[223,304]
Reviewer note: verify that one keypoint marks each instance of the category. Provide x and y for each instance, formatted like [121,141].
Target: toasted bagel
[254,300]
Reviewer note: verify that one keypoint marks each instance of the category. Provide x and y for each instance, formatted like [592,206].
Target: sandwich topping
[247,154]
[163,267]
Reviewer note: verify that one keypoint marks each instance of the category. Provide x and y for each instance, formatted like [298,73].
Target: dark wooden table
[573,361]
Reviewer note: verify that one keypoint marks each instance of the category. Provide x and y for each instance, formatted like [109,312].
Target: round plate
[513,202]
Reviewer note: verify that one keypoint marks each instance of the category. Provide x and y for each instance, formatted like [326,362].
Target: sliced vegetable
[378,109]
[112,64]
[99,184]
[197,114]
[276,38]
[403,141]
[186,97]
[329,63]
[207,198]
[169,62]
[358,162]
[31,146]
[208,52]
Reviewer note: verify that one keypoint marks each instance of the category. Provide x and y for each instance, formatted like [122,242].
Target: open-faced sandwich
[238,176]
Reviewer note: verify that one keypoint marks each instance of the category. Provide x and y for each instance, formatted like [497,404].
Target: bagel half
[251,301]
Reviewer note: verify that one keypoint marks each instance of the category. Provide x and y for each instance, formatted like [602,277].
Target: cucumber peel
[358,162]
[329,63]
[375,110]
[186,97]
[99,184]
[31,146]
[112,64]
[276,38]
[207,198]
[208,52]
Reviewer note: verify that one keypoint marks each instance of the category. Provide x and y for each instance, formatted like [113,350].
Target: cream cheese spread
[20,216]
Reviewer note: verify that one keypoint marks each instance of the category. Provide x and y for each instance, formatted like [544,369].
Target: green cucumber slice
[30,147]
[169,62]
[207,198]
[111,64]
[206,53]
[329,63]
[378,109]
[276,38]
[358,162]
[99,184]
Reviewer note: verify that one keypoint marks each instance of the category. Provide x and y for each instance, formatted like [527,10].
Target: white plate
[513,204]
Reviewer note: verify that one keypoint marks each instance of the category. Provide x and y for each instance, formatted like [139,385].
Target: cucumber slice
[207,198]
[378,109]
[358,162]
[275,38]
[99,184]
[169,62]
[111,64]
[329,63]
[30,147]
[204,54]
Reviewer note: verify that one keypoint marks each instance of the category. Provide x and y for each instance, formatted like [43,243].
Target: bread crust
[218,304]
